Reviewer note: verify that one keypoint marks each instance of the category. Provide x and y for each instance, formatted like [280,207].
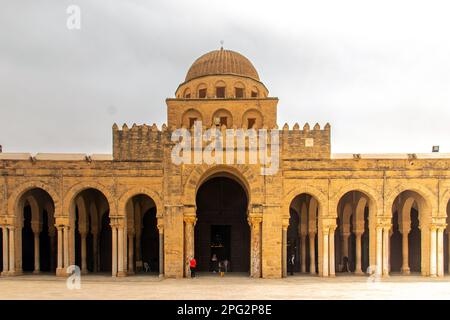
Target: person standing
[292,264]
[214,263]
[192,266]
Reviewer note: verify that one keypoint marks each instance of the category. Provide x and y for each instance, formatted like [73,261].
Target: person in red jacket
[192,266]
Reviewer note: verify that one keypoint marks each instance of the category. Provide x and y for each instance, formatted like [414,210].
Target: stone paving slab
[229,287]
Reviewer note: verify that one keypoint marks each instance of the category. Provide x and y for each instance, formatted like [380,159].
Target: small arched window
[239,90]
[201,91]
[220,89]
[187,93]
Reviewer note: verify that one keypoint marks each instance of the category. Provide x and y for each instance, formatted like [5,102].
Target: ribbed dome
[222,62]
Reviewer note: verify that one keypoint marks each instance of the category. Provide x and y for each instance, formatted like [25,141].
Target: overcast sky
[377,71]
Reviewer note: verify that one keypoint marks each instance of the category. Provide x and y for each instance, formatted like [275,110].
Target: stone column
[12,258]
[161,246]
[345,236]
[448,249]
[325,251]
[284,257]
[405,251]
[255,222]
[83,235]
[440,252]
[332,259]
[35,226]
[303,262]
[189,224]
[358,236]
[60,240]
[379,252]
[130,251]
[114,250]
[138,252]
[386,251]
[433,251]
[95,251]
[120,252]
[312,253]
[52,248]
[5,250]
[66,231]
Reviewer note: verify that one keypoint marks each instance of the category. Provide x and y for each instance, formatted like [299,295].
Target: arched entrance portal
[352,236]
[222,228]
[302,240]
[408,223]
[143,235]
[91,238]
[35,220]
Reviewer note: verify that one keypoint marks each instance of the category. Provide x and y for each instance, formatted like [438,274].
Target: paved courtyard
[230,287]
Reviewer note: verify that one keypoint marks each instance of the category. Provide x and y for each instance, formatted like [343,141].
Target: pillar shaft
[120,251]
[36,252]
[303,246]
[5,250]
[130,253]
[95,251]
[358,269]
[255,246]
[325,255]
[189,223]
[379,267]
[284,252]
[433,252]
[114,251]
[405,252]
[331,257]
[60,249]
[66,247]
[83,253]
[12,258]
[312,253]
[440,252]
[161,253]
[345,237]
[385,251]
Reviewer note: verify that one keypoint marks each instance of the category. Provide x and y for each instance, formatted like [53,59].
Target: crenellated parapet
[305,143]
[138,143]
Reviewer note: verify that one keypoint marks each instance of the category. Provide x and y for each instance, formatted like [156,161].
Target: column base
[359,273]
[61,272]
[161,275]
[122,274]
[36,272]
[406,272]
[9,273]
[131,273]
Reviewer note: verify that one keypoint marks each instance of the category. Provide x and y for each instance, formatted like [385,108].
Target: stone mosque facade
[136,211]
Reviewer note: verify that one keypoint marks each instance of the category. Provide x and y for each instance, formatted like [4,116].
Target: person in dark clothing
[291,264]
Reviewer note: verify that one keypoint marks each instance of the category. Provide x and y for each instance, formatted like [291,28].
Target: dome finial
[221,44]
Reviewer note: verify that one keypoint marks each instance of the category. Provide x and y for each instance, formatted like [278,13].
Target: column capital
[254,219]
[7,220]
[61,221]
[285,223]
[190,219]
[160,224]
[117,221]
